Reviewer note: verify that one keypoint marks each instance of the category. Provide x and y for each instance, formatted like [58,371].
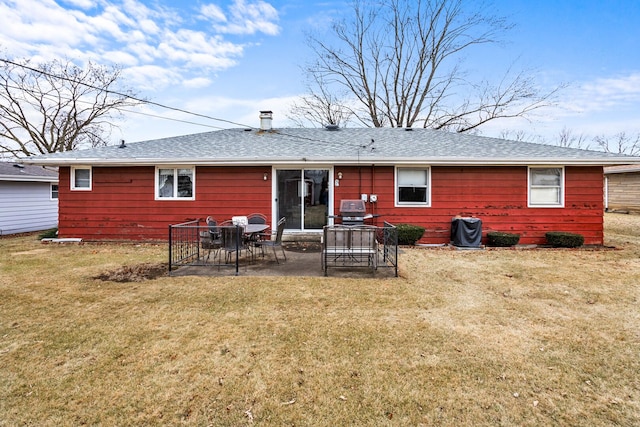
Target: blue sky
[230,59]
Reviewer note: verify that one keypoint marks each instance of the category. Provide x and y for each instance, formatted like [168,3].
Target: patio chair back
[212,223]
[280,230]
[257,218]
[277,242]
[232,241]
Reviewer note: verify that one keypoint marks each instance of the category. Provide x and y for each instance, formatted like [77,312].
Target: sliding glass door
[303,197]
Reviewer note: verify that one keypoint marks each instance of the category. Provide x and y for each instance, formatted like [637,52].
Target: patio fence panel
[355,246]
[187,248]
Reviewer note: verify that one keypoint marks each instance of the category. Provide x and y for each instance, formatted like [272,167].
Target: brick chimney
[265,120]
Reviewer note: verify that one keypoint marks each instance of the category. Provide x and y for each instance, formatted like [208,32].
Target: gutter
[28,178]
[198,161]
[628,170]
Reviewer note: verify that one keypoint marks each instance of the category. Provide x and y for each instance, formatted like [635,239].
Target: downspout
[606,194]
[373,190]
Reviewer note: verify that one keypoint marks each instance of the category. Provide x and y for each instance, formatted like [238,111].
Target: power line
[167,107]
[172,119]
[52,98]
[122,94]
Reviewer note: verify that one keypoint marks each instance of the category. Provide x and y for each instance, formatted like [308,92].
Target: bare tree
[567,138]
[621,143]
[320,107]
[401,61]
[56,106]
[518,135]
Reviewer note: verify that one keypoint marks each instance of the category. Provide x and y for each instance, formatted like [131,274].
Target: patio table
[254,228]
[251,232]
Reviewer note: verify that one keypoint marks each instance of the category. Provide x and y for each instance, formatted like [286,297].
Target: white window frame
[425,204]
[52,191]
[73,178]
[561,188]
[158,185]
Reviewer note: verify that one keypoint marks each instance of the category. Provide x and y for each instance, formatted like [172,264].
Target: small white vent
[265,120]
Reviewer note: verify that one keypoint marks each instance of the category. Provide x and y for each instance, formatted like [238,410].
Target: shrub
[502,239]
[561,239]
[409,234]
[48,234]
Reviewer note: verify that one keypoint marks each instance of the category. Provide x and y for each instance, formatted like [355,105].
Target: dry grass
[464,338]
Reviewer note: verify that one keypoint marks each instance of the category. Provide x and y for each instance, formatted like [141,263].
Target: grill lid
[354,207]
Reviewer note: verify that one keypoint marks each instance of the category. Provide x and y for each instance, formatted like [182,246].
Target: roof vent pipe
[332,127]
[265,120]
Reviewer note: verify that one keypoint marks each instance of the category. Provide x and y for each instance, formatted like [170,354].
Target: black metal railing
[193,244]
[360,246]
[389,241]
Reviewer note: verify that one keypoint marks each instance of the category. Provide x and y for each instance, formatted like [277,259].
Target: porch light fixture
[265,176]
[339,175]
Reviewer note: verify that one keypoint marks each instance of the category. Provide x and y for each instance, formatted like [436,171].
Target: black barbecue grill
[353,212]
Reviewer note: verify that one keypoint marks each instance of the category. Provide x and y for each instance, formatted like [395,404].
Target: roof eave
[629,170]
[441,161]
[17,178]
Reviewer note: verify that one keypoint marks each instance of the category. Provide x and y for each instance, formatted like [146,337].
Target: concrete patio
[303,260]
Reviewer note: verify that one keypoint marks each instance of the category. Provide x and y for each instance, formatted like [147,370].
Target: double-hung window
[412,186]
[81,178]
[175,183]
[546,186]
[54,191]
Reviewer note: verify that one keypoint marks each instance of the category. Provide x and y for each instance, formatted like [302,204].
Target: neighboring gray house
[28,198]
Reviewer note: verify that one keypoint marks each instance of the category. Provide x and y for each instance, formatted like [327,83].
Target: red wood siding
[121,204]
[497,195]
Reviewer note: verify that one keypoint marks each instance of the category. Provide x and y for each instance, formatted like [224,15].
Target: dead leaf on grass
[135,273]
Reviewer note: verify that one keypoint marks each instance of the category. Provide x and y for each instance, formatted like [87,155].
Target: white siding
[26,206]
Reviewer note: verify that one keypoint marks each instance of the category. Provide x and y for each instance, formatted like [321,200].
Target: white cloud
[83,4]
[602,106]
[150,77]
[244,18]
[133,34]
[197,83]
[213,12]
[145,53]
[42,23]
[603,94]
[123,58]
[244,111]
[194,48]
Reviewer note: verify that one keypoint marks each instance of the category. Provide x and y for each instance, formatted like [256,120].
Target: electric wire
[156,116]
[129,96]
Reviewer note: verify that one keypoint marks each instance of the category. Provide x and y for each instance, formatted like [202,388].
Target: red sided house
[416,176]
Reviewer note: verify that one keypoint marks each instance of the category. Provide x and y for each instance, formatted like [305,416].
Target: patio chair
[274,242]
[232,241]
[211,240]
[257,218]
